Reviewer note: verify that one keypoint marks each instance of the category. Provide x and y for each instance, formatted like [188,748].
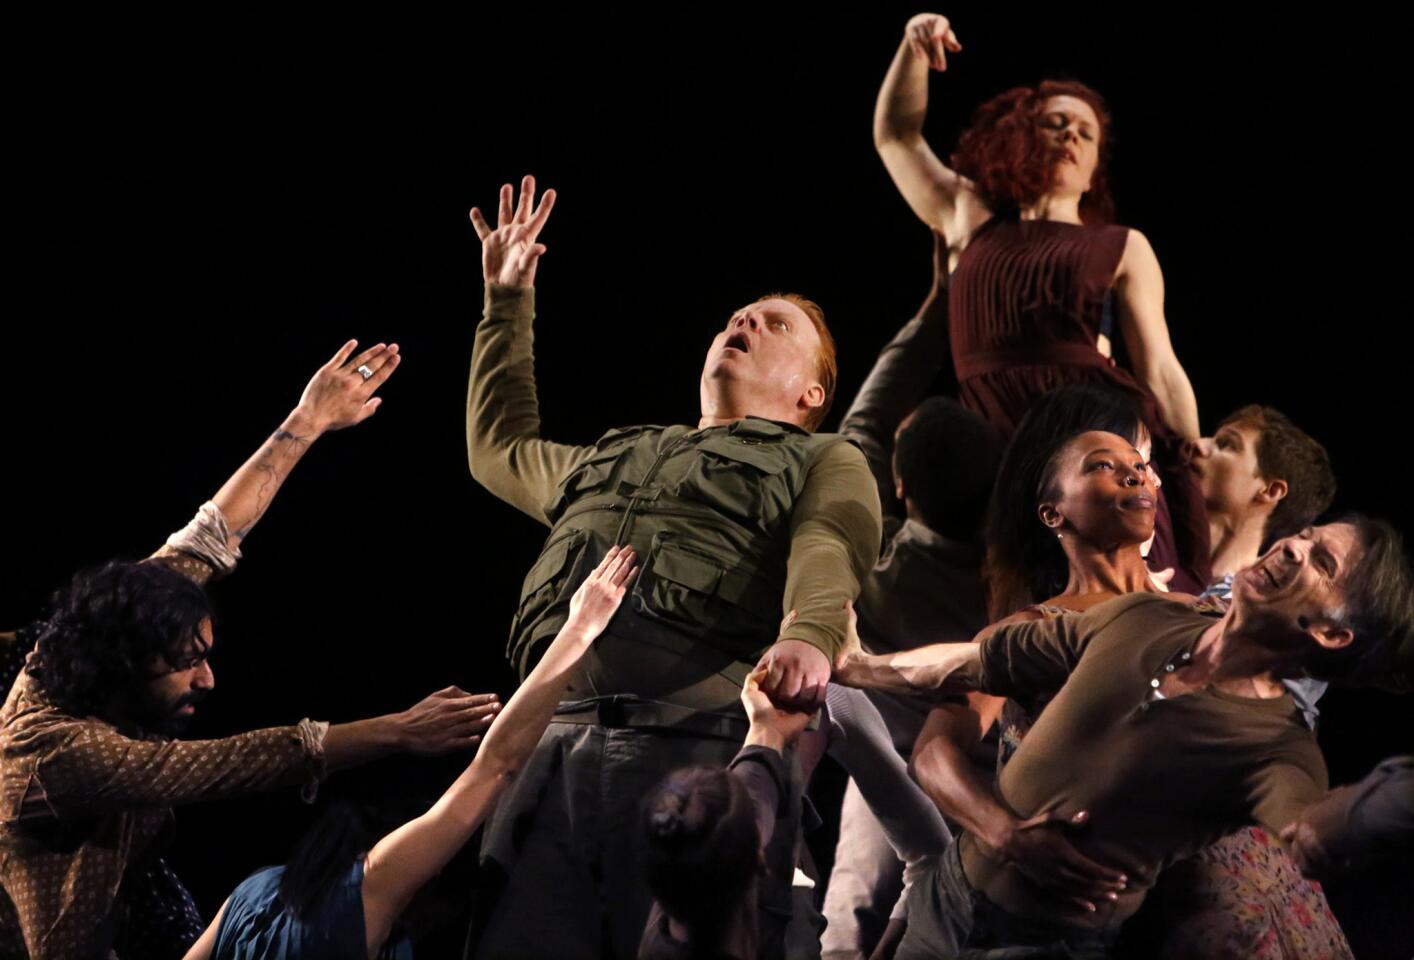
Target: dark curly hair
[1011,161]
[1024,563]
[107,627]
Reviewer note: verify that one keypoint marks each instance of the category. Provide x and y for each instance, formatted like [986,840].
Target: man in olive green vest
[739,519]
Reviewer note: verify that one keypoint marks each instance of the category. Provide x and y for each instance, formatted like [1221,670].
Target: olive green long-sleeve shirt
[835,526]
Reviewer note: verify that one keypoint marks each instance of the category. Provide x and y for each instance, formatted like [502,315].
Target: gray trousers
[560,852]
[948,919]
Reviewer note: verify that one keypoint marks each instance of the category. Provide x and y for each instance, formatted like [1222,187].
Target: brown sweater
[1161,778]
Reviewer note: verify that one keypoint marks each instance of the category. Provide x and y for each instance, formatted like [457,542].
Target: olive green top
[735,525]
[1161,778]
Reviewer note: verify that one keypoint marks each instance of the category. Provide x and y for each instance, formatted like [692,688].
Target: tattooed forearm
[248,494]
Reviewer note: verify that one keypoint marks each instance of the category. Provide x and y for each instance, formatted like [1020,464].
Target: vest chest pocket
[547,589]
[594,473]
[727,602]
[744,480]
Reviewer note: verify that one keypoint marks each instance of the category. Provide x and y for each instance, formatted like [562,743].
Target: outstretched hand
[598,597]
[450,719]
[340,394]
[510,252]
[930,36]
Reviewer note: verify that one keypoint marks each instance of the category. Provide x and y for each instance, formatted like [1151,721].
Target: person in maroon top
[1040,277]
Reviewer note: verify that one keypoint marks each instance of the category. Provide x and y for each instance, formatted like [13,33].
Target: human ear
[813,397]
[1273,492]
[1331,637]
[1049,515]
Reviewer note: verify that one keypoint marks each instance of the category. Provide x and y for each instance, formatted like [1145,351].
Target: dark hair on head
[1024,563]
[106,629]
[947,457]
[1286,452]
[340,835]
[1010,160]
[700,845]
[1378,608]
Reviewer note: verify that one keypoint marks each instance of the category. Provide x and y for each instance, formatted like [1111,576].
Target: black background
[208,209]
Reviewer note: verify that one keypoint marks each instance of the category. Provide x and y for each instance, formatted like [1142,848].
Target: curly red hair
[1009,159]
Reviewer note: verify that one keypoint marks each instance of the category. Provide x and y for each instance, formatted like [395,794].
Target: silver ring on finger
[364,372]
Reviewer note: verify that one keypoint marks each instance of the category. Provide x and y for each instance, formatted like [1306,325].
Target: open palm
[510,252]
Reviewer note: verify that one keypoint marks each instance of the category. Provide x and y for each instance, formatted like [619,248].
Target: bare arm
[1140,285]
[505,451]
[206,943]
[400,863]
[938,195]
[942,767]
[939,669]
[337,396]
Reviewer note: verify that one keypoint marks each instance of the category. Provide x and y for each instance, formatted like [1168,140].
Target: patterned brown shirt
[82,800]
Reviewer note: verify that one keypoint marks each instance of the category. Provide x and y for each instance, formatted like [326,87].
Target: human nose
[1200,448]
[745,320]
[204,678]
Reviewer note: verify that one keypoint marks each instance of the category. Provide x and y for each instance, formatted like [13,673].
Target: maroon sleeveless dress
[1026,303]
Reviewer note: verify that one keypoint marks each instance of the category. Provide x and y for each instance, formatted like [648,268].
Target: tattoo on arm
[288,447]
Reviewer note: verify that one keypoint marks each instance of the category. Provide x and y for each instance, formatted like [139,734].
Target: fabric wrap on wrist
[206,537]
[311,734]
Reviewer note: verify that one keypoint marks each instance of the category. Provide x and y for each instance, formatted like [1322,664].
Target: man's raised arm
[339,395]
[503,443]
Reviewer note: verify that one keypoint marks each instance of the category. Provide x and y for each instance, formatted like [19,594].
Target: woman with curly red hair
[1040,275]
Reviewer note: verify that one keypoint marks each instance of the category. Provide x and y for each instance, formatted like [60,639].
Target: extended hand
[594,603]
[795,675]
[449,719]
[339,395]
[510,252]
[1040,850]
[930,36]
[780,725]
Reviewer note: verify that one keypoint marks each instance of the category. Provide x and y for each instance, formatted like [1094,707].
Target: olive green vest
[708,512]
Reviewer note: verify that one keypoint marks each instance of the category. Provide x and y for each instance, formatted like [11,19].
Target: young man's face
[169,698]
[1226,466]
[1297,586]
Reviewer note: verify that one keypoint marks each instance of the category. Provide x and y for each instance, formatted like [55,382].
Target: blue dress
[256,925]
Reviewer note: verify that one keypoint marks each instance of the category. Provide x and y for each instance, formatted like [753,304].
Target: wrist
[302,423]
[763,735]
[1000,835]
[390,732]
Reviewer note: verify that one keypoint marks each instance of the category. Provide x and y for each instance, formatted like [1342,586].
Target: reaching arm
[337,396]
[902,374]
[400,863]
[938,195]
[92,769]
[1140,285]
[504,448]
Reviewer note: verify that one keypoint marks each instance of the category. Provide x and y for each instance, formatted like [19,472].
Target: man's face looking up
[765,362]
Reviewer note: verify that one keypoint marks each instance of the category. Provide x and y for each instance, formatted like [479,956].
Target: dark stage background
[211,208]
